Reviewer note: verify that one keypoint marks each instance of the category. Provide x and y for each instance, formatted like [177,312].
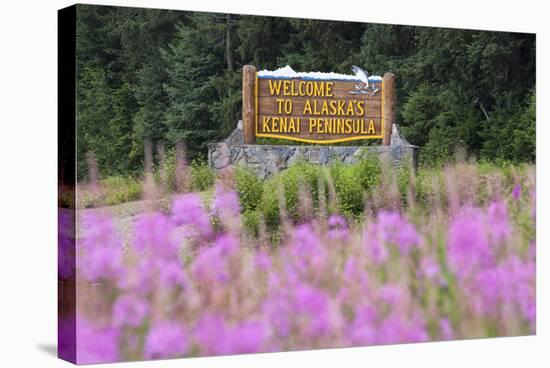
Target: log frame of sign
[250,107]
[388,107]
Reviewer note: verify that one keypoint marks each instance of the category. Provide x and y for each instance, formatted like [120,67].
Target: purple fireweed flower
[338,228]
[210,266]
[393,295]
[516,192]
[353,273]
[262,261]
[446,329]
[355,282]
[429,268]
[99,232]
[247,337]
[129,310]
[165,340]
[102,246]
[291,275]
[96,344]
[397,329]
[153,232]
[510,283]
[212,263]
[226,202]
[101,263]
[362,331]
[227,244]
[307,250]
[171,274]
[305,241]
[210,334]
[395,229]
[313,304]
[376,250]
[485,295]
[498,224]
[278,310]
[141,278]
[214,336]
[467,243]
[390,228]
[520,285]
[187,209]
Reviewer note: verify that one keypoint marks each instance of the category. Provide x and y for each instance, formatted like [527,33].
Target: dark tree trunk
[228,45]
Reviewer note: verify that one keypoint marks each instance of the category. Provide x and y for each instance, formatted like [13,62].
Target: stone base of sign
[266,160]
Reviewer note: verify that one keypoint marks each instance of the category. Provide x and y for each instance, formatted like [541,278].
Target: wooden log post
[388,96]
[249,108]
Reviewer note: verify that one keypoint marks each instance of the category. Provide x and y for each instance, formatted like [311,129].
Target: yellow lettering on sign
[307,108]
[286,87]
[282,125]
[333,105]
[309,88]
[347,115]
[324,110]
[351,110]
[312,124]
[360,109]
[340,128]
[356,126]
[329,89]
[341,107]
[266,120]
[347,124]
[320,89]
[274,87]
[371,127]
[301,88]
[274,125]
[279,105]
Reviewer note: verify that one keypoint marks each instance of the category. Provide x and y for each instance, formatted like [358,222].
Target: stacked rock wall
[267,160]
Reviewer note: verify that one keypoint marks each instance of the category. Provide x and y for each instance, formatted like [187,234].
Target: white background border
[28,177]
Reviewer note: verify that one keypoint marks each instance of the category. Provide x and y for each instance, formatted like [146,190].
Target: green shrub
[120,189]
[251,221]
[292,178]
[352,181]
[202,176]
[270,204]
[249,187]
[170,170]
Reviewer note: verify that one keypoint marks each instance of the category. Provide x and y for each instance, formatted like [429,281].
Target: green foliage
[114,190]
[120,189]
[270,204]
[251,221]
[160,75]
[352,181]
[202,176]
[512,136]
[249,187]
[303,175]
[94,111]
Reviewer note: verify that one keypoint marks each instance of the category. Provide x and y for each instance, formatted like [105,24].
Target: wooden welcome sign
[320,110]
